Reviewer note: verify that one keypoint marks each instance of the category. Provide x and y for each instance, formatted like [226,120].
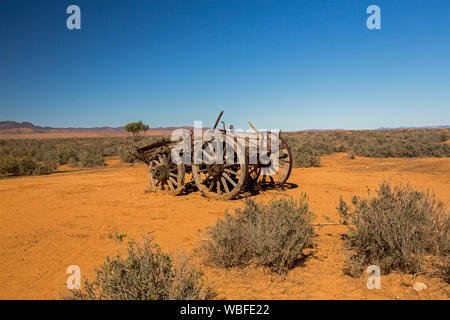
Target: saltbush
[145,273]
[272,235]
[26,166]
[398,229]
[306,147]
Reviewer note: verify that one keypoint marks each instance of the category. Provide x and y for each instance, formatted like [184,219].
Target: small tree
[136,128]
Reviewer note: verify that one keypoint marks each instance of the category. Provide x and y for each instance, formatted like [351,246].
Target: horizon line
[186,126]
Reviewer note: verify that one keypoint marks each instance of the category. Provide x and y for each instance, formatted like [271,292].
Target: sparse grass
[306,157]
[307,147]
[398,229]
[26,166]
[46,154]
[89,159]
[272,235]
[146,273]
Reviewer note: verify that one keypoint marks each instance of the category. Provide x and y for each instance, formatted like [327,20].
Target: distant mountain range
[384,128]
[425,127]
[13,129]
[19,130]
[12,125]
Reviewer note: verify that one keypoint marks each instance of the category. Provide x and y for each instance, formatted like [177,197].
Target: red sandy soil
[51,222]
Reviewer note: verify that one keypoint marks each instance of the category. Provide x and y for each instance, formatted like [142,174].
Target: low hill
[23,130]
[28,130]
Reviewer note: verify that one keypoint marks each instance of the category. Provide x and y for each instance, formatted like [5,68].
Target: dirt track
[51,222]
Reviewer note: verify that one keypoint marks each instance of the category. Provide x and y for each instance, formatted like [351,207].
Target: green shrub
[65,155]
[271,235]
[399,229]
[125,155]
[306,147]
[73,162]
[306,157]
[45,168]
[146,273]
[24,166]
[8,165]
[90,159]
[77,152]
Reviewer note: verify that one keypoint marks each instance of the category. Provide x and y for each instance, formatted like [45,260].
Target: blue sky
[282,64]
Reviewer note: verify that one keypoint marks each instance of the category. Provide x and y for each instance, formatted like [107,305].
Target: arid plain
[51,222]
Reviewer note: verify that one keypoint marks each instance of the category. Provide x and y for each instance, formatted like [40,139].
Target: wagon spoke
[207,155]
[212,184]
[232,172]
[228,165]
[225,185]
[211,149]
[173,181]
[229,179]
[219,191]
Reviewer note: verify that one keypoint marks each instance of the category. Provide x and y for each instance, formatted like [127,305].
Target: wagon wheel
[166,176]
[220,181]
[284,170]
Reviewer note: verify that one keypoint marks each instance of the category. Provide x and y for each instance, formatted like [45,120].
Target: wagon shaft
[164,142]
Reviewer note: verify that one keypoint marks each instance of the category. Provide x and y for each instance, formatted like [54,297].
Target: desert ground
[51,222]
[63,134]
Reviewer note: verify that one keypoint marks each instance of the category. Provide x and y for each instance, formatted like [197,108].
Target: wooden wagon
[216,179]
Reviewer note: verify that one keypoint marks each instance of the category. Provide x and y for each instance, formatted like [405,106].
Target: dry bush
[41,156]
[87,159]
[146,273]
[126,155]
[306,157]
[399,229]
[271,235]
[307,147]
[26,166]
